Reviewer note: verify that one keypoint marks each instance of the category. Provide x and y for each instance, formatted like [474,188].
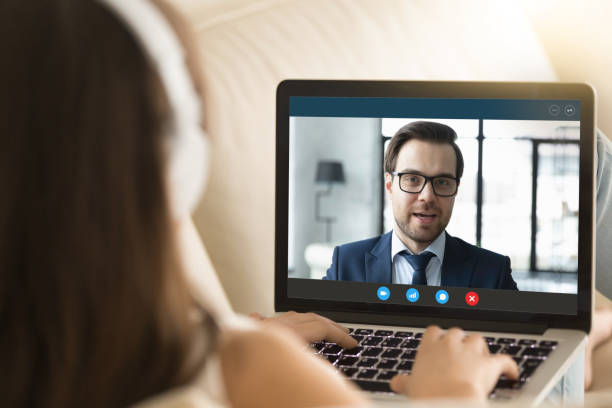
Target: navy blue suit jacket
[464,265]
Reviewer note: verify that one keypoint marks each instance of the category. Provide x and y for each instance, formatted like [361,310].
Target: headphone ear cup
[188,170]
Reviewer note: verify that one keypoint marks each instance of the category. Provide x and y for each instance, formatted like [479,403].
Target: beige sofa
[602,360]
[248,47]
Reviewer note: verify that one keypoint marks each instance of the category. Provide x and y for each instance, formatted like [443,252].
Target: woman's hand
[311,327]
[270,367]
[450,364]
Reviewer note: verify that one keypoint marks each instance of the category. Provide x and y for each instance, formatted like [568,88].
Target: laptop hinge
[418,321]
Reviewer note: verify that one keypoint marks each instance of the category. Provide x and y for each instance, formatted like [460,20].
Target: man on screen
[423,167]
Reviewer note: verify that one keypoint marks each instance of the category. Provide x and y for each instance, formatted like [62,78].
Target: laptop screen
[415,203]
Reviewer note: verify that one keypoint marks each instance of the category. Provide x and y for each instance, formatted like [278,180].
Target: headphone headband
[186,140]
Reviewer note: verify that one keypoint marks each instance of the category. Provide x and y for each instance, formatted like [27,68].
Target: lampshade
[329,172]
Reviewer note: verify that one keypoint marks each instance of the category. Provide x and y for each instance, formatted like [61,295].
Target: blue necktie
[419,264]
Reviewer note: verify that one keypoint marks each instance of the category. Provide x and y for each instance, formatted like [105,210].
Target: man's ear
[388,183]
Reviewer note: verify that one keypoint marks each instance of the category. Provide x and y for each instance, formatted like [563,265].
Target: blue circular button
[383,293]
[441,296]
[412,295]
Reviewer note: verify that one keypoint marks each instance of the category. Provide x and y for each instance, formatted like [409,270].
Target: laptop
[512,238]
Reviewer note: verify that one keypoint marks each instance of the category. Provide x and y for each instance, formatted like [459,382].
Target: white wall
[356,142]
[577,36]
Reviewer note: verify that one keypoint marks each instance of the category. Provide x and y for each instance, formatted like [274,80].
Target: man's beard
[420,236]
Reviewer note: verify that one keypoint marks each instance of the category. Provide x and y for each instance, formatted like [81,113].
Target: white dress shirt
[402,270]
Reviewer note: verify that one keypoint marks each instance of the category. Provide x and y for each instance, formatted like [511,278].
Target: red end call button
[471,298]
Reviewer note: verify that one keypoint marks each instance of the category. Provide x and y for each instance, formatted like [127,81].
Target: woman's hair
[94,308]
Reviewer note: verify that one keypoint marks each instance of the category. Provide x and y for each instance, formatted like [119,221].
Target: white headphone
[186,140]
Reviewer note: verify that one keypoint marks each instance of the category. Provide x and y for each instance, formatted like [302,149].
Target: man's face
[421,217]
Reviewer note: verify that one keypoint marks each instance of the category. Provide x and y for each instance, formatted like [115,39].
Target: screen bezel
[401,314]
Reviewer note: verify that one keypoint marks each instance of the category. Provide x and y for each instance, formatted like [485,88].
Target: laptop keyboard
[382,354]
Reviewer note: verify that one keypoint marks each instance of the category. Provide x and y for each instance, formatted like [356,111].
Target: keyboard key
[506,340]
[367,362]
[387,363]
[373,386]
[532,362]
[371,352]
[409,355]
[494,348]
[518,360]
[372,341]
[352,352]
[512,350]
[536,352]
[411,344]
[383,333]
[405,365]
[332,349]
[391,342]
[367,373]
[418,335]
[364,331]
[350,330]
[507,384]
[357,337]
[527,371]
[318,346]
[403,334]
[331,358]
[548,344]
[347,361]
[349,371]
[392,353]
[527,342]
[490,339]
[386,375]
[526,374]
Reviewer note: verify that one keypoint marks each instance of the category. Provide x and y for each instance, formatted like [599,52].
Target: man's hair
[427,131]
[96,310]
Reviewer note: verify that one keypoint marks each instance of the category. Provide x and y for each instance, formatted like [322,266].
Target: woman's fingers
[313,327]
[317,330]
[506,366]
[399,384]
[432,333]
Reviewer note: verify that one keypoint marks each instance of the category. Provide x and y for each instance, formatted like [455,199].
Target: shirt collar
[436,247]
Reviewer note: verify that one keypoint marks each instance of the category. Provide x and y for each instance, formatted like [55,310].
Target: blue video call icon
[412,295]
[383,293]
[441,296]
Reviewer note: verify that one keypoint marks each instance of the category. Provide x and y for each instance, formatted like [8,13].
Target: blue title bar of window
[511,109]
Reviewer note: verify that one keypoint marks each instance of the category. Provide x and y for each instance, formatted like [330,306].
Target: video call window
[518,195]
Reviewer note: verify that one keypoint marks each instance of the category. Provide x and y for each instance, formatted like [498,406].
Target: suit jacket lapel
[455,269]
[378,261]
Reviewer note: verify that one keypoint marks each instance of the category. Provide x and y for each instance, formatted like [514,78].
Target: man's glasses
[414,183]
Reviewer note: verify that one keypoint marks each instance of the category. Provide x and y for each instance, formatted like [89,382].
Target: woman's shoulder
[207,388]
